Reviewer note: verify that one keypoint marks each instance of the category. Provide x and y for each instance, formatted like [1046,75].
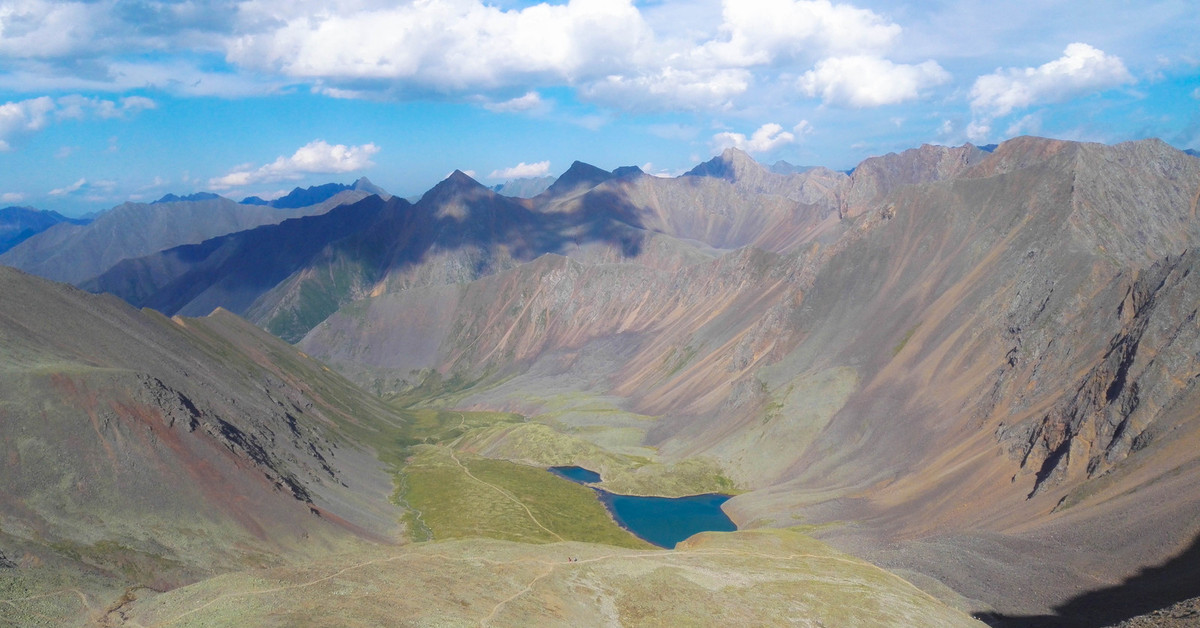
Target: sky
[108,101]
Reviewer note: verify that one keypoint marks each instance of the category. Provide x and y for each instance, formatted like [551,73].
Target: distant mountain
[783,167]
[198,196]
[524,188]
[305,197]
[76,252]
[876,177]
[580,177]
[233,270]
[813,186]
[1193,152]
[18,224]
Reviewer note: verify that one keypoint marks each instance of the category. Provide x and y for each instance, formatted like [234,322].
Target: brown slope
[970,356]
[714,211]
[875,178]
[998,343]
[813,186]
[157,450]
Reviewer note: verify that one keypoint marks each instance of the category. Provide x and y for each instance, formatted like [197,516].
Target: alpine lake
[663,521]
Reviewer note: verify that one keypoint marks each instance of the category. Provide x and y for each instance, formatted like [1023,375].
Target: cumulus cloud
[768,137]
[1081,70]
[23,116]
[670,88]
[606,50]
[530,102]
[12,197]
[447,45]
[762,31]
[316,157]
[866,81]
[38,28]
[31,115]
[522,171]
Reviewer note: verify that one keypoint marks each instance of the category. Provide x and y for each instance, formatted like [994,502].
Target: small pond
[663,521]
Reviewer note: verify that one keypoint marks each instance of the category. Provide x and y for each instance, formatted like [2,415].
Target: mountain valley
[978,370]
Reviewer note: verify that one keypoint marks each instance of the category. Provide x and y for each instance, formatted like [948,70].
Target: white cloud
[70,189]
[700,58]
[22,117]
[978,131]
[28,116]
[762,31]
[12,197]
[1196,93]
[866,81]
[522,171]
[1081,70]
[78,107]
[1027,125]
[768,137]
[447,45]
[670,88]
[531,102]
[604,49]
[316,157]
[38,29]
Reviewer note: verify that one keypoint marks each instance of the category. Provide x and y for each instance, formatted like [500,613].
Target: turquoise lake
[663,521]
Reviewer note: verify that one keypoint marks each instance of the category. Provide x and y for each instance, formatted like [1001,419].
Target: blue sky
[112,100]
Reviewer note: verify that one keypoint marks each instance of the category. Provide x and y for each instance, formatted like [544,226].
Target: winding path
[503,492]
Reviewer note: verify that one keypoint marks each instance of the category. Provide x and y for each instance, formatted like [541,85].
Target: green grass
[453,504]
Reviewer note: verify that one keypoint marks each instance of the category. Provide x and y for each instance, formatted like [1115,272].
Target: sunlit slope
[743,579]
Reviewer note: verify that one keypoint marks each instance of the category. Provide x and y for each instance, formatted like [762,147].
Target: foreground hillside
[740,579]
[144,451]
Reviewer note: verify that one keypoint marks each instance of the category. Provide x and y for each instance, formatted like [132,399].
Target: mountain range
[18,224]
[975,367]
[74,251]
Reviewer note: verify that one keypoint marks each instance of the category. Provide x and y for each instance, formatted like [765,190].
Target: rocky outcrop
[875,178]
[1151,366]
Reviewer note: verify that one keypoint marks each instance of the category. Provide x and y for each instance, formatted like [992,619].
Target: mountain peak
[458,178]
[732,164]
[364,185]
[579,175]
[457,184]
[198,196]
